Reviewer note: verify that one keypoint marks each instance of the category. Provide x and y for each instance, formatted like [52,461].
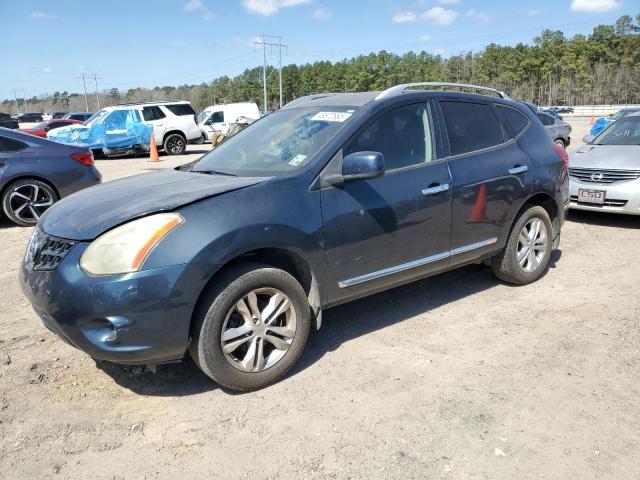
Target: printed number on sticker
[331,116]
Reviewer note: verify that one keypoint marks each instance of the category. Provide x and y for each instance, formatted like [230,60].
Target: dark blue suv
[336,196]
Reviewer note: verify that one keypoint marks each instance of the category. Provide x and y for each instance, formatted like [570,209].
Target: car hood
[614,157]
[88,213]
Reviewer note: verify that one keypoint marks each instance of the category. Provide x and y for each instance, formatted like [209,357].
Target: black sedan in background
[7,122]
[35,173]
[29,117]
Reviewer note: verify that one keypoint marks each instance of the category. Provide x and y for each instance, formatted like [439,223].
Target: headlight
[124,249]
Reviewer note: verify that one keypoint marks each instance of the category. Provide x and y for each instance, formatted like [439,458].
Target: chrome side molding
[415,263]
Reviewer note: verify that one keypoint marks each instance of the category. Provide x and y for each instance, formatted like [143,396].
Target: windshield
[95,117]
[202,116]
[625,131]
[281,142]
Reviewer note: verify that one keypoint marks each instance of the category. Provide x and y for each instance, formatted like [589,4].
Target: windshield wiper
[215,172]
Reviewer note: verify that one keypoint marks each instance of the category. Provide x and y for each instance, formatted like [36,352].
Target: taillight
[562,153]
[83,158]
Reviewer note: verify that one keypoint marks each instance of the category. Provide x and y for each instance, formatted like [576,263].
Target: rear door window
[180,109]
[515,121]
[152,113]
[470,126]
[404,136]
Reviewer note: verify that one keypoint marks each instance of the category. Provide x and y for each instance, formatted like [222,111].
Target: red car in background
[41,129]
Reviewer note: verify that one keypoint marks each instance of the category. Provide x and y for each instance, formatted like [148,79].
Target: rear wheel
[526,254]
[24,201]
[252,327]
[175,144]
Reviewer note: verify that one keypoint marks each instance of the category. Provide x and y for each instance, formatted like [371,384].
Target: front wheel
[175,144]
[526,254]
[252,327]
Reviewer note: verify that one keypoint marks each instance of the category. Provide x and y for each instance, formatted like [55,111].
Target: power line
[264,42]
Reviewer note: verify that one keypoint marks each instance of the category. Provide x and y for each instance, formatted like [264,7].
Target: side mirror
[588,138]
[359,166]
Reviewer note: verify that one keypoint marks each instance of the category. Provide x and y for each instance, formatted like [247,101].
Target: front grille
[594,175]
[608,202]
[50,254]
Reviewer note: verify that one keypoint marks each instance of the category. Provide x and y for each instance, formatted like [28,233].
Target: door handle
[435,189]
[517,170]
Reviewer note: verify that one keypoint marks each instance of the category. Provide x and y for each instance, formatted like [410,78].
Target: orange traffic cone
[479,212]
[153,150]
[593,119]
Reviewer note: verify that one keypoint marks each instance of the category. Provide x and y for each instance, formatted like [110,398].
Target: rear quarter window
[11,144]
[470,126]
[180,109]
[515,121]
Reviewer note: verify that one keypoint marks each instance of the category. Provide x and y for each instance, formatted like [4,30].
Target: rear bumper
[136,318]
[620,197]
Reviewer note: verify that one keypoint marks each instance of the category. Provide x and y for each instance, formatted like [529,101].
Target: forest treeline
[600,68]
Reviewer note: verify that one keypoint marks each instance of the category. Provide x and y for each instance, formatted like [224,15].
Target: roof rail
[149,103]
[399,89]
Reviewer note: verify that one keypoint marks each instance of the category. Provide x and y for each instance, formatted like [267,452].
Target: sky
[47,44]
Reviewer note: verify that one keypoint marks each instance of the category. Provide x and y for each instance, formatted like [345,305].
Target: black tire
[174,144]
[27,186]
[506,265]
[233,285]
[560,142]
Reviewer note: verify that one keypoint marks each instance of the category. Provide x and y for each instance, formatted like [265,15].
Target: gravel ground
[454,377]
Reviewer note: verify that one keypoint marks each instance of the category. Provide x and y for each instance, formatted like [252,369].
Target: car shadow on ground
[340,325]
[604,219]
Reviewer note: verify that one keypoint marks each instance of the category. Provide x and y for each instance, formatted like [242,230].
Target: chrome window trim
[415,263]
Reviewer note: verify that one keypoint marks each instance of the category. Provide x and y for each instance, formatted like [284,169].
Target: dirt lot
[455,377]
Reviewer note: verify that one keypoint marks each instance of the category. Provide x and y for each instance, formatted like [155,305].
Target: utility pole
[96,78]
[270,40]
[24,100]
[15,96]
[84,84]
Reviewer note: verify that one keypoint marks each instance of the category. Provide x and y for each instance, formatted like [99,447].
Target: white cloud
[405,17]
[448,2]
[322,14]
[194,6]
[440,16]
[198,6]
[424,38]
[437,15]
[534,12]
[267,8]
[46,70]
[595,5]
[482,17]
[42,16]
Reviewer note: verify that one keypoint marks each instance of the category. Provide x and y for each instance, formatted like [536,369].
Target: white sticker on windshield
[297,160]
[331,116]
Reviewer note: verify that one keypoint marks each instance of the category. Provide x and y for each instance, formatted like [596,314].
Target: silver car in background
[558,129]
[604,174]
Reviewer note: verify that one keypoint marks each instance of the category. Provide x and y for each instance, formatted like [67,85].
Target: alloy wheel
[29,201]
[175,145]
[532,245]
[258,330]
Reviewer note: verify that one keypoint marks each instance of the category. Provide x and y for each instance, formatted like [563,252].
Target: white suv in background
[174,124]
